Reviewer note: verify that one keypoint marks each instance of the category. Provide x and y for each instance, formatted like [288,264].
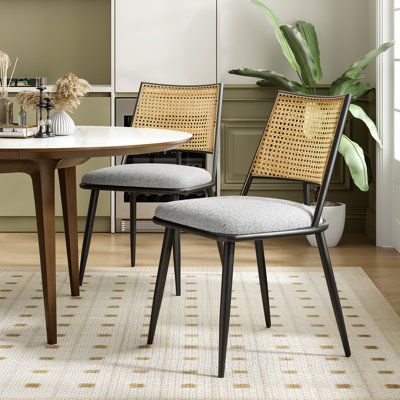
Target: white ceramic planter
[335,216]
[62,124]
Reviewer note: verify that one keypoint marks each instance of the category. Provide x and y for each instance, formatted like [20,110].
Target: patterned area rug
[102,351]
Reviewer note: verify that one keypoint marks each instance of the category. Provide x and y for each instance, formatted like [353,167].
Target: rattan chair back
[193,109]
[298,138]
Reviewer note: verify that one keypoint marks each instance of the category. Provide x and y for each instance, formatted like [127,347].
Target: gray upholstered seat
[237,215]
[160,176]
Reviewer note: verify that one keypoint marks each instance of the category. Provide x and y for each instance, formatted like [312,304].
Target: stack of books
[17,131]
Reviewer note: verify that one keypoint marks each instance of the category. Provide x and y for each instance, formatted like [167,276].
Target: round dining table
[40,158]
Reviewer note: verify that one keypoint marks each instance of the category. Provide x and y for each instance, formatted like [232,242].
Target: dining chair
[193,109]
[300,143]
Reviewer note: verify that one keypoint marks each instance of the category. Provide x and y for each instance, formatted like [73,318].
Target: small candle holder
[42,134]
[49,106]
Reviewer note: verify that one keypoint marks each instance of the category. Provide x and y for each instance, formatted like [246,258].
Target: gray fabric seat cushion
[161,176]
[237,215]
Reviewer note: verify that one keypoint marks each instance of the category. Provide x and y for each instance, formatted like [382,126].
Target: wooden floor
[20,250]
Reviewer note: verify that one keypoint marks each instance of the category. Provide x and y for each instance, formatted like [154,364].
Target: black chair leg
[94,197]
[177,258]
[262,275]
[225,307]
[177,262]
[160,282]
[333,293]
[132,227]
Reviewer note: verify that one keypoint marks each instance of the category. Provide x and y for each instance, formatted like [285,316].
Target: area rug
[102,351]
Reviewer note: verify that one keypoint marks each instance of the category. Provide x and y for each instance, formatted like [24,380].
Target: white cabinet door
[164,41]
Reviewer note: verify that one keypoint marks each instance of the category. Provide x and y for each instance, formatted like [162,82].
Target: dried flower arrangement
[5,63]
[68,91]
[28,99]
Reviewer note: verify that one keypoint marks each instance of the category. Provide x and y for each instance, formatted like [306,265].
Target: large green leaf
[350,86]
[359,113]
[269,78]
[355,70]
[275,22]
[303,55]
[307,30]
[354,157]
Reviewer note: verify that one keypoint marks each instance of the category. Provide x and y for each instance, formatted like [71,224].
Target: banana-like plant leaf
[359,113]
[303,55]
[275,22]
[351,86]
[355,70]
[269,78]
[307,30]
[354,157]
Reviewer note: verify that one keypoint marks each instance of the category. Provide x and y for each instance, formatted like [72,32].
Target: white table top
[95,141]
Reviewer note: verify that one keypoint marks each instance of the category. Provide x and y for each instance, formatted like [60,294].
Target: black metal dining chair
[300,143]
[194,109]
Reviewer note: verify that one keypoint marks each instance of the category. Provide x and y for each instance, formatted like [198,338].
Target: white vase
[62,124]
[335,215]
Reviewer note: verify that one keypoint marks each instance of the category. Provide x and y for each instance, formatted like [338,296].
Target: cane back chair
[193,109]
[300,143]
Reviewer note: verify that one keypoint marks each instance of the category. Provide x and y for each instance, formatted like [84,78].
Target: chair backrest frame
[329,165]
[217,124]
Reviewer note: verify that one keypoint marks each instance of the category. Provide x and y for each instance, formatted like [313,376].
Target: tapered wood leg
[94,197]
[210,193]
[160,282]
[262,275]
[67,178]
[333,293]
[225,306]
[132,227]
[43,187]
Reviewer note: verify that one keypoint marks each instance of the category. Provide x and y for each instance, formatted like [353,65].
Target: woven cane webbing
[192,109]
[297,140]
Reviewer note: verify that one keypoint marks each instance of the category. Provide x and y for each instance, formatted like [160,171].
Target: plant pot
[335,215]
[62,124]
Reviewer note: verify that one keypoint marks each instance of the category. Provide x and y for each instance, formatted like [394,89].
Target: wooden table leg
[67,177]
[42,173]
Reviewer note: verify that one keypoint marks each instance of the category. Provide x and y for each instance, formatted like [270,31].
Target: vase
[62,124]
[335,215]
[6,111]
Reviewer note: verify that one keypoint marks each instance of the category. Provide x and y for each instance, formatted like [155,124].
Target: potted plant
[300,46]
[6,110]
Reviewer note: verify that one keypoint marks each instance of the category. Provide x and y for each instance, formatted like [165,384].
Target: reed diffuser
[6,105]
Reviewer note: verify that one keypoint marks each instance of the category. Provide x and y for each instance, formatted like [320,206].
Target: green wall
[53,37]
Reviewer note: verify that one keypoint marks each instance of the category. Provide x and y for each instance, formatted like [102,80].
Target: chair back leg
[132,227]
[225,305]
[262,275]
[177,262]
[160,282]
[94,197]
[333,293]
[177,257]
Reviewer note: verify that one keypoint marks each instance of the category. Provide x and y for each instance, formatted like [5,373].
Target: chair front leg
[94,197]
[132,227]
[160,282]
[262,275]
[210,193]
[225,306]
[333,293]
